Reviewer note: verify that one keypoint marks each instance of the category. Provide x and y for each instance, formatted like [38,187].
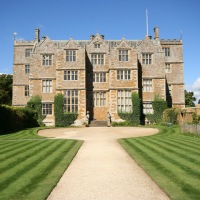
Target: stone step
[96,123]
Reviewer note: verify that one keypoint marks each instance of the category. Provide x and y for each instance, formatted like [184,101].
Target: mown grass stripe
[20,150]
[183,140]
[149,160]
[12,146]
[179,146]
[7,145]
[28,133]
[14,161]
[46,169]
[168,157]
[38,169]
[167,153]
[24,167]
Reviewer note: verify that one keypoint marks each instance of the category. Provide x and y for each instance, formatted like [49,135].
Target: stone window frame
[27,69]
[26,91]
[147,85]
[167,51]
[123,55]
[167,68]
[124,74]
[97,46]
[47,59]
[99,77]
[71,75]
[47,108]
[147,108]
[28,52]
[147,58]
[124,103]
[71,55]
[97,59]
[99,99]
[71,101]
[47,86]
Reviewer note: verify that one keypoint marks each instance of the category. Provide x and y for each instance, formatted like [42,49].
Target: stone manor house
[98,75]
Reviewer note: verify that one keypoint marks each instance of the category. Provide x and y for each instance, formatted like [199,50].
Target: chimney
[156,33]
[92,37]
[37,35]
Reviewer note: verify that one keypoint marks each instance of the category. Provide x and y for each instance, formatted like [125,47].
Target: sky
[61,19]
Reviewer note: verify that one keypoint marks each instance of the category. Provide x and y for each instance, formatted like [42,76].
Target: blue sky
[114,18]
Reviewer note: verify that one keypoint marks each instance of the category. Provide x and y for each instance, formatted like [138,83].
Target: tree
[189,99]
[199,101]
[6,89]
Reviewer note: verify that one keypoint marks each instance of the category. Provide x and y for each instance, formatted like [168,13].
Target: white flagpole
[147,21]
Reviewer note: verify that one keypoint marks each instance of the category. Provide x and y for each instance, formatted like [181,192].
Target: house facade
[98,75]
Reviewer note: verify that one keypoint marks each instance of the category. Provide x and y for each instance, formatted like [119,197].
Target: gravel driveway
[102,170]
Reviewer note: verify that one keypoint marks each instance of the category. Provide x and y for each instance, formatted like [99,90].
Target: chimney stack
[37,35]
[156,33]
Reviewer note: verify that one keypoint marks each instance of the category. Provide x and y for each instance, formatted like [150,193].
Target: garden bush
[16,118]
[62,119]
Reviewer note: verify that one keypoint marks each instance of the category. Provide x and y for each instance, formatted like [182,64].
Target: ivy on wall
[133,118]
[159,105]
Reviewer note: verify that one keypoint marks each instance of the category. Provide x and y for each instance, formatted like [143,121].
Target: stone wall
[86,87]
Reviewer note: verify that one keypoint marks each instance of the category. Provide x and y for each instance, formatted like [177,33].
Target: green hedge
[35,104]
[62,119]
[16,118]
[136,108]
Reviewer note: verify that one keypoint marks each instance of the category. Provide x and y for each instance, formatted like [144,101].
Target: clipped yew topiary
[35,104]
[59,110]
[136,108]
[62,119]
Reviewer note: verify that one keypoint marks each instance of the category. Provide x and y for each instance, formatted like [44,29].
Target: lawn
[171,159]
[31,166]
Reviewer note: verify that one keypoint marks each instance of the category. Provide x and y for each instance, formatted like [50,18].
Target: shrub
[59,110]
[126,116]
[35,104]
[136,108]
[62,119]
[70,118]
[16,118]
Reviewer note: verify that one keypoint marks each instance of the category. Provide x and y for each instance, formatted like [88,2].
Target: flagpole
[147,21]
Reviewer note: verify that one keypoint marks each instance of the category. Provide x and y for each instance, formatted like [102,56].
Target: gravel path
[102,170]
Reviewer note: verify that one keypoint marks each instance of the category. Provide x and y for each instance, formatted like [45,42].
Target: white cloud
[195,87]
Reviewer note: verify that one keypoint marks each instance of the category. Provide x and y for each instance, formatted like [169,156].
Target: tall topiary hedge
[136,108]
[35,103]
[62,119]
[59,110]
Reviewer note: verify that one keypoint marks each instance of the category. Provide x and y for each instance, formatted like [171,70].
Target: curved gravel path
[102,170]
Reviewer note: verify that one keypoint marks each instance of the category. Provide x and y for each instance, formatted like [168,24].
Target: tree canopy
[189,99]
[6,81]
